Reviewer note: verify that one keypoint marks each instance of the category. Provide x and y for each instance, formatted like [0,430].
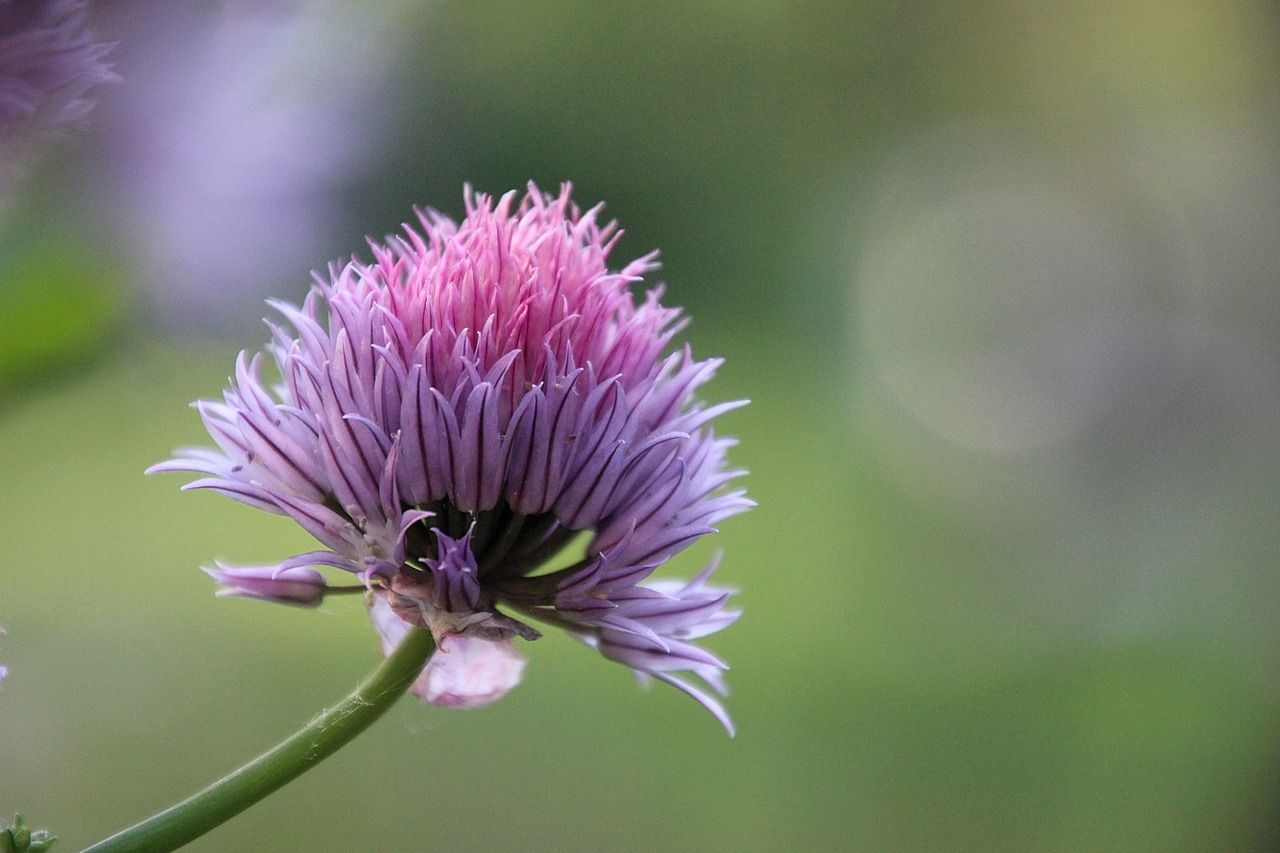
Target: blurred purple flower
[453,414]
[49,62]
[231,148]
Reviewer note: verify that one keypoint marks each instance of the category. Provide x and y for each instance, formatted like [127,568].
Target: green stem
[226,798]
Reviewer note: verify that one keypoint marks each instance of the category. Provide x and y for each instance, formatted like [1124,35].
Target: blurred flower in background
[55,310]
[49,63]
[228,155]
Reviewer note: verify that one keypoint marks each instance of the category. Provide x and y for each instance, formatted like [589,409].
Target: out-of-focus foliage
[1000,280]
[61,299]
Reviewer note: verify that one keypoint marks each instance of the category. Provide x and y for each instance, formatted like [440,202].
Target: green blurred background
[999,277]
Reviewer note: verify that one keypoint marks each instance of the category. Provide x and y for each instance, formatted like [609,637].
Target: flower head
[48,62]
[456,413]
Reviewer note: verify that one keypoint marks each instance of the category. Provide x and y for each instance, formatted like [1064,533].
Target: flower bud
[302,587]
[19,838]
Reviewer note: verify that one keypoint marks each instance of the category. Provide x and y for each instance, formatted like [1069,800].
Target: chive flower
[451,416]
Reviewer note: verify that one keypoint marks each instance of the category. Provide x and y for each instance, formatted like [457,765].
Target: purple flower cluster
[48,62]
[453,415]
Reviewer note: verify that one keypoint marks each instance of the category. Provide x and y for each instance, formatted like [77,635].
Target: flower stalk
[323,736]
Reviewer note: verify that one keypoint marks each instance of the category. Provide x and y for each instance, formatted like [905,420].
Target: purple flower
[48,63]
[455,413]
